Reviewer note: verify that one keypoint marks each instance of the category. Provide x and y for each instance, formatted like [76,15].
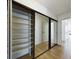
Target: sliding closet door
[22,33]
[41,34]
[53,32]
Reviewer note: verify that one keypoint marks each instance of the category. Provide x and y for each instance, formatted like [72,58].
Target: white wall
[36,6]
[39,19]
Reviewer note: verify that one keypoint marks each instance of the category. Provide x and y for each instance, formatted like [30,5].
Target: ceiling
[57,7]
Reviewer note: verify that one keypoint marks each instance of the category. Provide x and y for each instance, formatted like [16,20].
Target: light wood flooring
[58,52]
[40,48]
[25,57]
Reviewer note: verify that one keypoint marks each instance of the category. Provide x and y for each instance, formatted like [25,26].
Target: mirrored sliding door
[53,33]
[41,34]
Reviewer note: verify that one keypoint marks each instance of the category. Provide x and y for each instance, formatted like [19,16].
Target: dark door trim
[33,35]
[49,33]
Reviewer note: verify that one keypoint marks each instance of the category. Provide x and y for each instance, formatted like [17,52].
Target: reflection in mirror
[41,34]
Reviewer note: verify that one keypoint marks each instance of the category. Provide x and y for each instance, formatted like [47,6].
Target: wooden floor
[25,57]
[58,52]
[40,48]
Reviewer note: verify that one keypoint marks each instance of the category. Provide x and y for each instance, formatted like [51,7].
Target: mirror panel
[41,34]
[53,33]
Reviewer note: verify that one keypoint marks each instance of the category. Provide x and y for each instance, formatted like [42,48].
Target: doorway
[66,30]
[66,35]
